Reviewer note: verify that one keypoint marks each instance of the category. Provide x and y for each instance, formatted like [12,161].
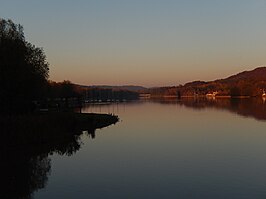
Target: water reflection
[23,173]
[249,107]
[26,165]
[25,148]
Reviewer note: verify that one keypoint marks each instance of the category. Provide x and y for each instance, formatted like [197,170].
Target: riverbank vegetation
[24,69]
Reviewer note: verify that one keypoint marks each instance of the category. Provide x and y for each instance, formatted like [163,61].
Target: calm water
[167,149]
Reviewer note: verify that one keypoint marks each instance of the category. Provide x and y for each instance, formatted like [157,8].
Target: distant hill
[258,74]
[195,83]
[247,83]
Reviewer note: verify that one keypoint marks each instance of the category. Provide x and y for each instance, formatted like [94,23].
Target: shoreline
[203,96]
[49,130]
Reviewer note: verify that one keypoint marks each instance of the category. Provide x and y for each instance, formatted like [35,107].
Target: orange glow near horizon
[143,42]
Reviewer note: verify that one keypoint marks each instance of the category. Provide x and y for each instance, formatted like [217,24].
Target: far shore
[203,96]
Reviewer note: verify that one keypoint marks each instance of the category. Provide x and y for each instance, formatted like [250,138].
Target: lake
[193,148]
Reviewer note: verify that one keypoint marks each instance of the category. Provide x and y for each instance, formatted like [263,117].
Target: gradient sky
[143,42]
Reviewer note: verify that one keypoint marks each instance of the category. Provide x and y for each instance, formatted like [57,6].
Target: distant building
[213,94]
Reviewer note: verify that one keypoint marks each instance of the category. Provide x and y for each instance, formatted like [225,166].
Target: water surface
[167,149]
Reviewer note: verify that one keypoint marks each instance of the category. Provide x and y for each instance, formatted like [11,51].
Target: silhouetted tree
[23,69]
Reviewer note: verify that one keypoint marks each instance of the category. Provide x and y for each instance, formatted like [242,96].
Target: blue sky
[147,42]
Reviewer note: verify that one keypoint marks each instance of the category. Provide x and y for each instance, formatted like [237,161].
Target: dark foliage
[62,96]
[23,69]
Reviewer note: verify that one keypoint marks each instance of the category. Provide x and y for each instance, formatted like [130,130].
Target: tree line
[24,72]
[105,95]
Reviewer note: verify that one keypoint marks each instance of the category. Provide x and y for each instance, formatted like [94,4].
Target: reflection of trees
[249,107]
[24,149]
[25,168]
[22,174]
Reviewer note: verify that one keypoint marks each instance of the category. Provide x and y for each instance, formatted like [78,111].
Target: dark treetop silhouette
[23,69]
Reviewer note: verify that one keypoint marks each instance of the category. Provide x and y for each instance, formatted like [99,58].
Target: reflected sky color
[145,42]
[170,152]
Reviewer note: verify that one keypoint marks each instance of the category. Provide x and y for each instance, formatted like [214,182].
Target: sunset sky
[143,42]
